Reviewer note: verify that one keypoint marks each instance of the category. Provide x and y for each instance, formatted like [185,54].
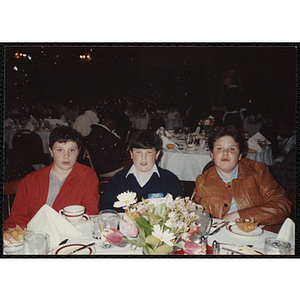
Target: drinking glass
[275,246]
[108,218]
[204,222]
[96,232]
[37,243]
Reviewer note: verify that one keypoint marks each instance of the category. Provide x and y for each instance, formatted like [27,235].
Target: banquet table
[187,165]
[125,249]
[141,123]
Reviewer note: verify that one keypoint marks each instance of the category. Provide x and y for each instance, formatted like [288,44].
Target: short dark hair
[64,134]
[145,139]
[223,131]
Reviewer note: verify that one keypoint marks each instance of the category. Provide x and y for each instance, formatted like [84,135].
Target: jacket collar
[213,178]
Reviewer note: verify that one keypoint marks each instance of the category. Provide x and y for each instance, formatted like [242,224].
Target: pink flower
[130,228]
[112,235]
[191,248]
[187,235]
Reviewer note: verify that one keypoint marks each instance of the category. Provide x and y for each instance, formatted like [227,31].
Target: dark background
[169,75]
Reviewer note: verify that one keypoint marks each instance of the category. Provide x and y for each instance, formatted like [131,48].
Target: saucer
[84,219]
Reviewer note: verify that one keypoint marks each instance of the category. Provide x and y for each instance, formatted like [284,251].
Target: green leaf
[145,228]
[162,250]
[155,219]
[152,240]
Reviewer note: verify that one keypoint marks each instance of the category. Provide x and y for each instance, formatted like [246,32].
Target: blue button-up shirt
[234,174]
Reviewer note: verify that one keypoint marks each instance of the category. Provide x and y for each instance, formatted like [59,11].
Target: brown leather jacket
[256,192]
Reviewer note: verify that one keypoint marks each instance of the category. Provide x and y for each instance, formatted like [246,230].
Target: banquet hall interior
[161,87]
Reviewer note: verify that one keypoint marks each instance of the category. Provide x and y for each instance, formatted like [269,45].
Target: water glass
[275,246]
[36,243]
[108,218]
[204,222]
[96,232]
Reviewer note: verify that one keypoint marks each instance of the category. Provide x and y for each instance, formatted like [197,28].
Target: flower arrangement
[207,124]
[157,224]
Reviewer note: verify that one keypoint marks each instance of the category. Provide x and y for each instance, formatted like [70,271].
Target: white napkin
[9,122]
[33,120]
[161,131]
[51,222]
[252,144]
[29,126]
[287,232]
[258,136]
[166,141]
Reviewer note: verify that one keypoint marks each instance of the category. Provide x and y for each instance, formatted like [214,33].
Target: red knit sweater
[79,188]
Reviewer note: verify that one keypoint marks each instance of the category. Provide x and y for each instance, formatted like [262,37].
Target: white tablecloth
[141,123]
[265,156]
[224,235]
[185,165]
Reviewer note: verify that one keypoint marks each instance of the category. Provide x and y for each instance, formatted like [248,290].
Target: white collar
[141,181]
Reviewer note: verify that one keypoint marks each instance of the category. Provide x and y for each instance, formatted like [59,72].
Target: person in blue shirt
[144,177]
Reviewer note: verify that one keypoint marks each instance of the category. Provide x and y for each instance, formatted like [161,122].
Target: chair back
[28,145]
[208,165]
[155,123]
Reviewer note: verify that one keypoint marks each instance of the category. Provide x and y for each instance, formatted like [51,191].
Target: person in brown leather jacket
[237,187]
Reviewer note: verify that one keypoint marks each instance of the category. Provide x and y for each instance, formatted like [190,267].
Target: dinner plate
[66,249]
[234,229]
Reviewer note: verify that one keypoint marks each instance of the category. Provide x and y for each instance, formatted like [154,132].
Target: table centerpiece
[157,224]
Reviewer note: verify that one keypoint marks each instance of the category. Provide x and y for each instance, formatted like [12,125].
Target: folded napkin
[287,232]
[252,144]
[166,141]
[162,132]
[258,136]
[54,224]
[32,120]
[9,122]
[29,126]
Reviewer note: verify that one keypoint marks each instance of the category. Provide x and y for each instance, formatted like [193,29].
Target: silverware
[219,228]
[63,242]
[216,224]
[250,246]
[234,251]
[81,248]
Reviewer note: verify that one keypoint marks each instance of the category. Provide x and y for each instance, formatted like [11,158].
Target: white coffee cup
[74,213]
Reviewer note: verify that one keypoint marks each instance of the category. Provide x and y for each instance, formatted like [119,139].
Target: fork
[216,224]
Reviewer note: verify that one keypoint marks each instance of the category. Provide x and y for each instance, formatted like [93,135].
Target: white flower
[165,236]
[125,199]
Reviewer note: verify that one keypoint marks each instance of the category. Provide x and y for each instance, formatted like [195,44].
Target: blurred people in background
[232,104]
[106,148]
[89,117]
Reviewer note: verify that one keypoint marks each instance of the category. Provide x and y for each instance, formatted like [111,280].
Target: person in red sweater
[65,182]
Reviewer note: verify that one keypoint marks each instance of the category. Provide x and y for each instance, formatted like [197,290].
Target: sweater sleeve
[20,213]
